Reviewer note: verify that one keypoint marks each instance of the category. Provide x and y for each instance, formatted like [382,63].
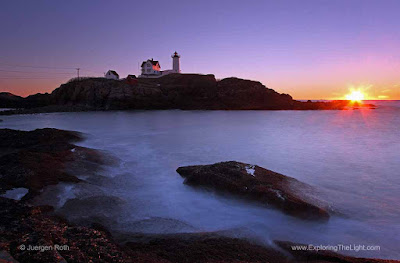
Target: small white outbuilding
[112,74]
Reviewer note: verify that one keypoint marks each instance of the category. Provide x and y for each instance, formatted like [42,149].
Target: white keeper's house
[152,69]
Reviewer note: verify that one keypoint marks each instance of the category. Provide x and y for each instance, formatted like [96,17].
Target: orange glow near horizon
[327,89]
[355,95]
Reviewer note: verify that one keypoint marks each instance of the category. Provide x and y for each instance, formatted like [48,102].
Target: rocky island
[173,91]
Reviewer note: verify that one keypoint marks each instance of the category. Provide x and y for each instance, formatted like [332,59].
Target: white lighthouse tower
[175,63]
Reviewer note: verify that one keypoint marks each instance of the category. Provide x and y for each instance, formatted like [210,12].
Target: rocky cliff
[174,91]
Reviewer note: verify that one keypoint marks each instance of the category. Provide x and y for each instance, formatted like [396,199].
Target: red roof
[154,62]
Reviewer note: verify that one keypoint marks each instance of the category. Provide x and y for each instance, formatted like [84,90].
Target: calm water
[351,157]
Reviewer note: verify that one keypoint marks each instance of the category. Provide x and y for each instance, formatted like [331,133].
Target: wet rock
[159,225]
[254,182]
[5,257]
[95,209]
[35,159]
[324,256]
[199,247]
[16,193]
[22,226]
[58,195]
[16,139]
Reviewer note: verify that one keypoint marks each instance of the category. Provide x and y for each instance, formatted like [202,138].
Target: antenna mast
[77,69]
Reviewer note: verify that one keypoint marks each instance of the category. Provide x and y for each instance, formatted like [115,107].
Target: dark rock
[5,257]
[37,138]
[159,225]
[24,225]
[330,105]
[94,209]
[37,100]
[324,256]
[239,94]
[254,182]
[200,247]
[9,100]
[35,159]
[21,224]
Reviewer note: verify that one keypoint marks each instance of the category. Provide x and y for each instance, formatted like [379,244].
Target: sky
[308,49]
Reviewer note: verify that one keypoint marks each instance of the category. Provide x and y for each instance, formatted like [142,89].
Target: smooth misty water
[352,157]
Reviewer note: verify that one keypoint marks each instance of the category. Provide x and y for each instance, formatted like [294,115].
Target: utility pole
[77,69]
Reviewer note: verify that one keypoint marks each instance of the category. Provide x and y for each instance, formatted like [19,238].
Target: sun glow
[355,95]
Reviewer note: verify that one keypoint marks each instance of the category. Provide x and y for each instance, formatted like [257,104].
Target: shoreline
[74,109]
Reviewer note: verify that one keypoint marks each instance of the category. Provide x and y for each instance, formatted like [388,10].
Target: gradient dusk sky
[309,49]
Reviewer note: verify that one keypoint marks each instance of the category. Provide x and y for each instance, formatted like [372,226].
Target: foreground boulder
[35,159]
[253,182]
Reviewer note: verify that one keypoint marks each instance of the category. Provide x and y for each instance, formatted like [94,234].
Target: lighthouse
[152,69]
[175,63]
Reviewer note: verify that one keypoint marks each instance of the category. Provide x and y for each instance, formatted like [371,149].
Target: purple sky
[310,49]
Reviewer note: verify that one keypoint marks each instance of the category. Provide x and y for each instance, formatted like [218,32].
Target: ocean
[351,158]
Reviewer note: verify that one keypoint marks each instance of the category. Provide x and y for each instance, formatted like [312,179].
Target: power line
[18,71]
[29,66]
[44,67]
[12,78]
[39,77]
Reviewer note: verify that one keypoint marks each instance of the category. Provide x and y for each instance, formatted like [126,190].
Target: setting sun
[355,95]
